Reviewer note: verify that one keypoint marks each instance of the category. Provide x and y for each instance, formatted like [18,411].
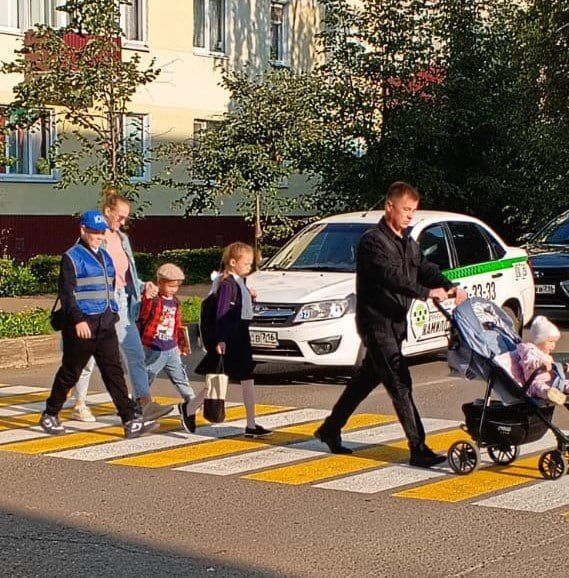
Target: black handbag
[214,402]
[56,317]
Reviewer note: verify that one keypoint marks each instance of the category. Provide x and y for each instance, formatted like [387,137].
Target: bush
[45,269]
[191,309]
[16,279]
[28,322]
[146,265]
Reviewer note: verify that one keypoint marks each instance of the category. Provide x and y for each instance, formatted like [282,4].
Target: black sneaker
[257,432]
[51,424]
[425,458]
[188,420]
[137,427]
[333,441]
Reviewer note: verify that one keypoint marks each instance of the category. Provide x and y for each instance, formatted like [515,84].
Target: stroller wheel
[503,455]
[552,464]
[463,457]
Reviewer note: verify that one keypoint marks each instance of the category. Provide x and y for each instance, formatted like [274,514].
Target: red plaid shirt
[149,318]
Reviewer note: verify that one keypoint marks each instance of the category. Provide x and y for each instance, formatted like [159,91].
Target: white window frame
[284,59]
[136,43]
[206,50]
[146,140]
[24,13]
[29,176]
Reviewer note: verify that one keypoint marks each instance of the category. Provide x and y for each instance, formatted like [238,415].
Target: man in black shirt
[390,273]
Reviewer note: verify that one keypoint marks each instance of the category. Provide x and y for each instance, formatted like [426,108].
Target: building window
[202,126]
[209,25]
[23,14]
[25,148]
[278,50]
[136,131]
[133,20]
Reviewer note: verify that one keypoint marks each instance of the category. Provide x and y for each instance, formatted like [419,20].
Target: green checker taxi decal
[480,268]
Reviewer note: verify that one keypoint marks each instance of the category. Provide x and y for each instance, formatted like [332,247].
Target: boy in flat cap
[164,339]
[86,292]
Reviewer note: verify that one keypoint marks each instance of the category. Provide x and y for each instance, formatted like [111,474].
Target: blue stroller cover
[485,332]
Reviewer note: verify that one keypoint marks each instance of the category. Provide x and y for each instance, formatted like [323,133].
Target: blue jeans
[132,351]
[170,362]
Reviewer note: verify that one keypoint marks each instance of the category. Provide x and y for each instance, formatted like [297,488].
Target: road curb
[28,351]
[44,349]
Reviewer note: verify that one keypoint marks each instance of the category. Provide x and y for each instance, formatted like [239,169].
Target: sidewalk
[14,304]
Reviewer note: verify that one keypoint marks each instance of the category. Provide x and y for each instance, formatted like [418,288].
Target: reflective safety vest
[95,281]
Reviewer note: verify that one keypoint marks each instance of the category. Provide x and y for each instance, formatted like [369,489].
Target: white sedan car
[305,311]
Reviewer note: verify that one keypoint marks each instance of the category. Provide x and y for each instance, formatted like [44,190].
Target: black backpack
[208,319]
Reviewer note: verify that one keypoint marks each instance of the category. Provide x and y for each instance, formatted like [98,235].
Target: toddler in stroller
[550,381]
[483,345]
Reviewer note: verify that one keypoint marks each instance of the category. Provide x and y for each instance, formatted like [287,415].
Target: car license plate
[548,289]
[264,338]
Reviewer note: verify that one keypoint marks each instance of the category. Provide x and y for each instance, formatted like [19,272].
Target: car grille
[272,314]
[285,348]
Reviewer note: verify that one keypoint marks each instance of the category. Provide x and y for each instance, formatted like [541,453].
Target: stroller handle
[442,309]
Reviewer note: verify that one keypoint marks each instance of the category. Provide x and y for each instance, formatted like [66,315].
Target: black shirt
[390,272]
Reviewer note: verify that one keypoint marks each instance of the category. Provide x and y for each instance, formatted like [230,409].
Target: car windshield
[321,247]
[556,232]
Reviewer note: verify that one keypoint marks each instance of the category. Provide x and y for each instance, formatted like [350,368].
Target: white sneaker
[83,413]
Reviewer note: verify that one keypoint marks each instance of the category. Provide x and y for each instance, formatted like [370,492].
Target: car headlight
[324,310]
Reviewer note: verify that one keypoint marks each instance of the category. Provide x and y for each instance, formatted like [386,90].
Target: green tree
[79,68]
[269,130]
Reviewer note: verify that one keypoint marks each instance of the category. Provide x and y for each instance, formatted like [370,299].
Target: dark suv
[549,257]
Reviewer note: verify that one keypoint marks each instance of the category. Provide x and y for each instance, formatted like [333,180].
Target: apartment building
[189,39]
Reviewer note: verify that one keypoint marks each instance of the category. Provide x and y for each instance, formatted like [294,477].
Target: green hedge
[41,274]
[24,323]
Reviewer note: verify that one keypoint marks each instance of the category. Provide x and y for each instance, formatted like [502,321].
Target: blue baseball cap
[94,220]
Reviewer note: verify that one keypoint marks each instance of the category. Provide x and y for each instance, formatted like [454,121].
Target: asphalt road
[72,517]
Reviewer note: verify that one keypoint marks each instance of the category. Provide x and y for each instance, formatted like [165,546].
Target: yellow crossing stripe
[30,419]
[221,448]
[378,456]
[81,439]
[478,483]
[23,398]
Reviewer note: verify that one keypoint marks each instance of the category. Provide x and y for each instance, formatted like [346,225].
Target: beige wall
[188,88]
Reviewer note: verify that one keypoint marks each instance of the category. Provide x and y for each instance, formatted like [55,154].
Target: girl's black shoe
[257,432]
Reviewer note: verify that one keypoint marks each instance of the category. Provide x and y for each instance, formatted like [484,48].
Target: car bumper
[299,343]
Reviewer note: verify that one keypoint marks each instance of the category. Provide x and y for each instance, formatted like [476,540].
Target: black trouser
[385,363]
[104,347]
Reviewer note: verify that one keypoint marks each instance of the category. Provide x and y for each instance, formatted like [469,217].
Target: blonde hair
[111,198]
[233,251]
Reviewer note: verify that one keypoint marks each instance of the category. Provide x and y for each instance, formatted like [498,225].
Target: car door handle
[496,275]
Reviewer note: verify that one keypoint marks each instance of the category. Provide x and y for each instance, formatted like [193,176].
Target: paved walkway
[12,304]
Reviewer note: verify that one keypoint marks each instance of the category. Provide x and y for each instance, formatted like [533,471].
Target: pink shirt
[532,358]
[120,260]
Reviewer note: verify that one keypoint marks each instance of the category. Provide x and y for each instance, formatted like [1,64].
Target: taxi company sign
[426,321]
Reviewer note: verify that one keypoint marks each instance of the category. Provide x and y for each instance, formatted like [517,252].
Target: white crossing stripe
[173,439]
[540,497]
[19,390]
[40,405]
[383,479]
[304,450]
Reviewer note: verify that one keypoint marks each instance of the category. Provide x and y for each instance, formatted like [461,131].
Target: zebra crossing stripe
[11,390]
[384,479]
[285,435]
[225,447]
[9,400]
[540,497]
[102,434]
[306,450]
[340,465]
[36,406]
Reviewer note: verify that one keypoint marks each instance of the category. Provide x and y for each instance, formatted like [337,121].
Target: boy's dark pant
[104,347]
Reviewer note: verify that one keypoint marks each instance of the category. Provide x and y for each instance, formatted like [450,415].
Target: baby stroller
[482,345]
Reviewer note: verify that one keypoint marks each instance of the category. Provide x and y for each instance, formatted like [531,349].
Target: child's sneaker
[137,427]
[51,424]
[153,410]
[257,432]
[188,420]
[82,413]
[556,396]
